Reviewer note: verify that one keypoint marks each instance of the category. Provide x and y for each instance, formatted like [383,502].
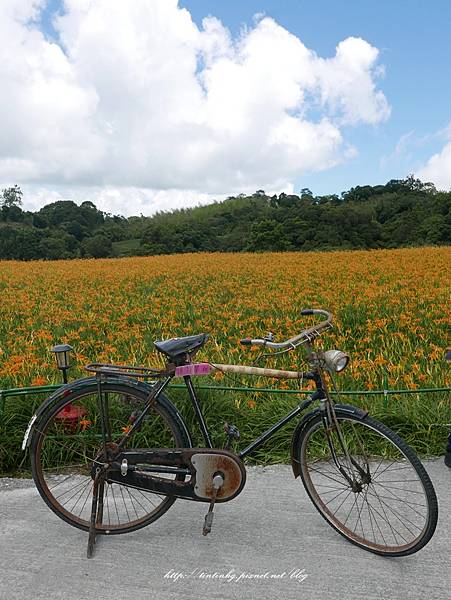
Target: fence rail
[48,389]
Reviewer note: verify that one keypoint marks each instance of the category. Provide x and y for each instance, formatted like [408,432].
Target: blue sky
[107,103]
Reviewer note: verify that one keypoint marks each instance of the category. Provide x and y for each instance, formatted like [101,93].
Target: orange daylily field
[391,310]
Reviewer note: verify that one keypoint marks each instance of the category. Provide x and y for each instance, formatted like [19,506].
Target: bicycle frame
[320,394]
[261,438]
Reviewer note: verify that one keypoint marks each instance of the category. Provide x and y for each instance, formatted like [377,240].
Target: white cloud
[403,143]
[347,83]
[139,100]
[401,153]
[128,201]
[438,169]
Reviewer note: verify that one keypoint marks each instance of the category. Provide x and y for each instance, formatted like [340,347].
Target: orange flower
[85,423]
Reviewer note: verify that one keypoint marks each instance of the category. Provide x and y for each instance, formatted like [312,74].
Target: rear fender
[91,382]
[340,409]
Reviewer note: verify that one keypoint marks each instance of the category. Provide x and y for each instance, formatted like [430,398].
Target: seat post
[199,415]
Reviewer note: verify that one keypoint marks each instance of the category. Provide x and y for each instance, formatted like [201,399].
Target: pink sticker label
[194,369]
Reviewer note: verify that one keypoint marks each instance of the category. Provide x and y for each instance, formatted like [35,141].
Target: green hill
[400,213]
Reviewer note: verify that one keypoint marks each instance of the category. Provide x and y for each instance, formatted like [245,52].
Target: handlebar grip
[307,311]
[246,342]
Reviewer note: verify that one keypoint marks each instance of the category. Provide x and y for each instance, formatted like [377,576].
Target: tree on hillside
[97,246]
[10,203]
[417,185]
[11,197]
[19,243]
[58,244]
[266,236]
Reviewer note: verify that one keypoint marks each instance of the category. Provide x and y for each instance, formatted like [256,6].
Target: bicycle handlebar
[307,335]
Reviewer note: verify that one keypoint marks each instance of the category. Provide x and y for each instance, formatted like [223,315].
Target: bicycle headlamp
[336,360]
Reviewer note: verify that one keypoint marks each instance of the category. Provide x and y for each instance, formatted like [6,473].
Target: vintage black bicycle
[111,453]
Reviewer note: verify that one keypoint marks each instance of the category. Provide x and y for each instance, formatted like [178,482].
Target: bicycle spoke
[391,468]
[388,522]
[400,489]
[408,502]
[331,478]
[359,515]
[370,512]
[395,512]
[123,500]
[336,496]
[132,503]
[106,501]
[115,505]
[79,497]
[84,503]
[76,486]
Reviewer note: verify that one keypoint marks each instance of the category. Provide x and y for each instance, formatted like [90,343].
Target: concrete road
[272,528]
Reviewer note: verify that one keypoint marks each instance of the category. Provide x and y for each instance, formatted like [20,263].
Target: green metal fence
[386,393]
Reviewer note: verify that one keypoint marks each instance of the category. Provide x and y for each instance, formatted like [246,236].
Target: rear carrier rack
[128,370]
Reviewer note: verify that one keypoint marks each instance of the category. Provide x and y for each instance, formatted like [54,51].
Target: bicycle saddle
[178,348]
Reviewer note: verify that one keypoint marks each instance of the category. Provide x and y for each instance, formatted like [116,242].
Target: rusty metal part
[207,465]
[232,432]
[130,370]
[218,482]
[96,507]
[102,461]
[144,466]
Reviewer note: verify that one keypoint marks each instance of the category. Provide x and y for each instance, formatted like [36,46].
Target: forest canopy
[400,213]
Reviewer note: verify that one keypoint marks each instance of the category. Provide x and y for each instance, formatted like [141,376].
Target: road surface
[268,543]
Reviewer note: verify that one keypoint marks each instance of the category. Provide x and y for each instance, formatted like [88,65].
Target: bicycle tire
[380,526]
[62,453]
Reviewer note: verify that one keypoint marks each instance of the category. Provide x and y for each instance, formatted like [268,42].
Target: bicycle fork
[330,423]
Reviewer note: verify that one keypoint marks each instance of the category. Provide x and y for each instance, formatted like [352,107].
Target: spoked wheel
[382,499]
[69,437]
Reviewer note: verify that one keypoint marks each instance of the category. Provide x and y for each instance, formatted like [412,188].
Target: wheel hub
[112,450]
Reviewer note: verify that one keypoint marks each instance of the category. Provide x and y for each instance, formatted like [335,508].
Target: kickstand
[96,510]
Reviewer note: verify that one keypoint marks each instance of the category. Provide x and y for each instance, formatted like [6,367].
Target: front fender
[340,409]
[85,382]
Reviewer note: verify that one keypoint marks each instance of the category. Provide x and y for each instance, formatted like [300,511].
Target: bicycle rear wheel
[68,438]
[382,500]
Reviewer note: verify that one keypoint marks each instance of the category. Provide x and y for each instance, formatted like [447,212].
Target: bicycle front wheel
[376,493]
[69,437]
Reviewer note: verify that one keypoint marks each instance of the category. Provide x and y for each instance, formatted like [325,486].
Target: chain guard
[200,464]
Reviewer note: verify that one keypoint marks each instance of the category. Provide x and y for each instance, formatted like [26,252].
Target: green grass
[126,247]
[420,419]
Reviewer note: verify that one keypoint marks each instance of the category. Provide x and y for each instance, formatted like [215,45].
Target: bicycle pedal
[231,430]
[218,481]
[208,522]
[232,433]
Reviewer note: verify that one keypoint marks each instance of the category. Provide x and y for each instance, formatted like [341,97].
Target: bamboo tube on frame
[258,371]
